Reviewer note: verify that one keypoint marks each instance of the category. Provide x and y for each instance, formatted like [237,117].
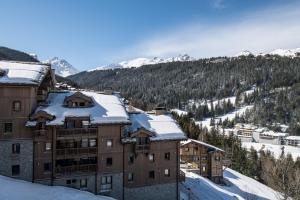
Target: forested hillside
[276,80]
[11,54]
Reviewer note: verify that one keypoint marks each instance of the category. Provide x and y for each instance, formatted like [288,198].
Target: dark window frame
[109,161]
[14,108]
[15,170]
[151,174]
[16,148]
[8,125]
[168,156]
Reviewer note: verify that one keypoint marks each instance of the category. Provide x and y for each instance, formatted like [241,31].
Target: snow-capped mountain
[138,62]
[286,52]
[244,53]
[279,52]
[62,67]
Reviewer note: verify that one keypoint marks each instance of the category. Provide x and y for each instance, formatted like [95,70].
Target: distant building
[293,140]
[245,131]
[263,135]
[85,140]
[207,158]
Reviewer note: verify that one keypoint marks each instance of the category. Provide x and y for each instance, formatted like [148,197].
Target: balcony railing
[69,152]
[142,147]
[38,133]
[76,169]
[77,131]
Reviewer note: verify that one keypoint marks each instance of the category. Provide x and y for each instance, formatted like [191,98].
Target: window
[186,149]
[16,148]
[17,106]
[151,157]
[92,142]
[81,104]
[48,146]
[68,182]
[131,159]
[70,124]
[195,148]
[83,183]
[15,170]
[106,183]
[109,143]
[167,172]
[41,125]
[196,158]
[84,143]
[47,167]
[217,158]
[142,140]
[203,168]
[204,158]
[130,177]
[109,161]
[167,156]
[7,127]
[74,180]
[151,174]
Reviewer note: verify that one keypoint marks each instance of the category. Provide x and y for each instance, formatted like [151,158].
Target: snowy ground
[238,187]
[12,189]
[179,112]
[230,116]
[275,149]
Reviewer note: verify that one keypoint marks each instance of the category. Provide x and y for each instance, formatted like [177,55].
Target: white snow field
[13,189]
[238,187]
[275,149]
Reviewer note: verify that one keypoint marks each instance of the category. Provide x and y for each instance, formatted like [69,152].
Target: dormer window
[78,100]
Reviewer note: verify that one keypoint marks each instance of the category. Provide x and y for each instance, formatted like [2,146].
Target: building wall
[160,191]
[117,185]
[24,159]
[27,97]
[141,166]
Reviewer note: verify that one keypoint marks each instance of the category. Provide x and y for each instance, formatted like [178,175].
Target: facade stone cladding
[24,158]
[162,192]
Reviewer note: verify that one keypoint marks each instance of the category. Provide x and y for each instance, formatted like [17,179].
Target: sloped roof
[201,143]
[107,109]
[164,127]
[23,73]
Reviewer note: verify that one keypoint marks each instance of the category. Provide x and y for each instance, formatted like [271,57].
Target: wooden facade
[208,160]
[78,154]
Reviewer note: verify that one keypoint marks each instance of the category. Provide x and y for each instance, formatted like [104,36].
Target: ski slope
[237,186]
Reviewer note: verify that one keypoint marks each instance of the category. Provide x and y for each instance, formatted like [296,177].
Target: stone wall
[74,182]
[24,159]
[161,192]
[117,185]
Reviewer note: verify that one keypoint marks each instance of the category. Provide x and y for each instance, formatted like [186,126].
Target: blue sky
[91,33]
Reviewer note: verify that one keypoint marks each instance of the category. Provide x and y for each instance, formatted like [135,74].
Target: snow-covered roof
[28,73]
[164,127]
[107,109]
[201,143]
[294,137]
[272,133]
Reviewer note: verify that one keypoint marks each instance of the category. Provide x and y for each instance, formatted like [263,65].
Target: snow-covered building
[207,158]
[264,135]
[292,140]
[245,131]
[85,140]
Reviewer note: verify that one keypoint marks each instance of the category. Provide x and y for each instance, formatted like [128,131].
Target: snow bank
[238,187]
[12,189]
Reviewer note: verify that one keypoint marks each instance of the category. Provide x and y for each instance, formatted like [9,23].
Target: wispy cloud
[258,32]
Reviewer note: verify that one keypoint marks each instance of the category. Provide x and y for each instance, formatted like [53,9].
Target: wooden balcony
[76,152]
[142,148]
[89,132]
[76,169]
